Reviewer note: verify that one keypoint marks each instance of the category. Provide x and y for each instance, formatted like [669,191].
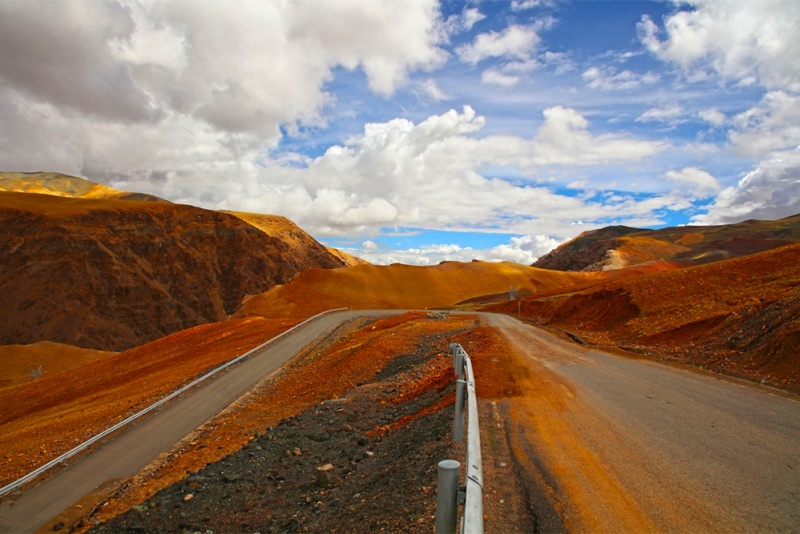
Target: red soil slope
[43,419]
[740,316]
[114,274]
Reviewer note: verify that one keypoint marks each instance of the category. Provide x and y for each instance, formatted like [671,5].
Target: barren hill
[112,274]
[62,185]
[738,316]
[306,248]
[400,286]
[616,247]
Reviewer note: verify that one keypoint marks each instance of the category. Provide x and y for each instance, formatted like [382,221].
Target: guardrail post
[461,394]
[447,497]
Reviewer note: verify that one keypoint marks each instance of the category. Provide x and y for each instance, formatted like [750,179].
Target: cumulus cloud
[515,42]
[774,124]
[748,42]
[770,191]
[133,62]
[713,116]
[700,182]
[399,173]
[464,21]
[524,249]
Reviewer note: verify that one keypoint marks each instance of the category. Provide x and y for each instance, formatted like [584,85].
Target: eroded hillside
[113,274]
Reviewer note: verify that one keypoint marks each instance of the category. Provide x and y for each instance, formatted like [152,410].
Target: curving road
[613,443]
[625,444]
[135,448]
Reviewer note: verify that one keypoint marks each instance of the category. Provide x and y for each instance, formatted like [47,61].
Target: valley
[622,391]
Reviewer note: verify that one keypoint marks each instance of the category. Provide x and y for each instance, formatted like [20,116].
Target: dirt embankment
[739,316]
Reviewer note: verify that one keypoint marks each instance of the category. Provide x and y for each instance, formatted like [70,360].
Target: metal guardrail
[448,493]
[72,452]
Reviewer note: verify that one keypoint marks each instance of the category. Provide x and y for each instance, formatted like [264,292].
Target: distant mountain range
[616,247]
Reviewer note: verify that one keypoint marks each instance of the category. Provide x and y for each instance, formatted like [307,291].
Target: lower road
[135,448]
[625,444]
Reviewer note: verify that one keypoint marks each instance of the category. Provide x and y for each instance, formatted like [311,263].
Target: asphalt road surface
[618,444]
[132,450]
[627,444]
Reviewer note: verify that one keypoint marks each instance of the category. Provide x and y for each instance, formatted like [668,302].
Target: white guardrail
[448,493]
[72,452]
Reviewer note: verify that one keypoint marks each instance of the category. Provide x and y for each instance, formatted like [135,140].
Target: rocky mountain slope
[306,248]
[616,247]
[110,274]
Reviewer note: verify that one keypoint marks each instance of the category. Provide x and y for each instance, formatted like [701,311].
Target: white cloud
[464,21]
[142,62]
[608,79]
[494,77]
[523,5]
[369,246]
[431,90]
[670,114]
[770,191]
[700,182]
[515,42]
[774,124]
[524,249]
[431,175]
[713,116]
[750,42]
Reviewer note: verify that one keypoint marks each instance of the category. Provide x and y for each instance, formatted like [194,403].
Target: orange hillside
[17,361]
[403,287]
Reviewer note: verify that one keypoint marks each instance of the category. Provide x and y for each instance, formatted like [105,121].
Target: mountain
[62,185]
[305,247]
[739,316]
[105,273]
[616,247]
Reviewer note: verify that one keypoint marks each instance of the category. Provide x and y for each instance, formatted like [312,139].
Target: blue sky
[417,131]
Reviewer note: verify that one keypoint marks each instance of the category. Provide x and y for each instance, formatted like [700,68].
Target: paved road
[619,444]
[134,449]
[627,444]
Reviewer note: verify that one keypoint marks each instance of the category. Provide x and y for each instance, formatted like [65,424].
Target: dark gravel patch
[325,470]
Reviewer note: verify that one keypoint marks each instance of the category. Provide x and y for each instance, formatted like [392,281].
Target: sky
[416,131]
